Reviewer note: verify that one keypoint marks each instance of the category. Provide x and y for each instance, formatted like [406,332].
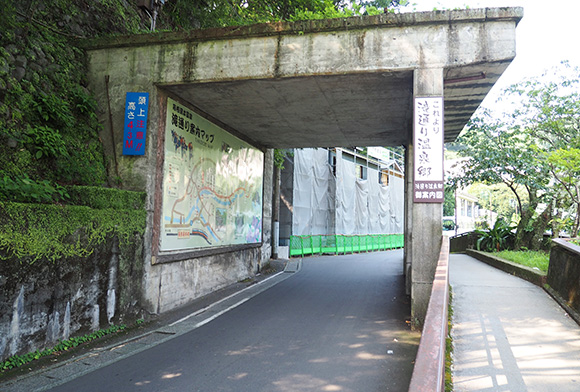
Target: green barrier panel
[343,244]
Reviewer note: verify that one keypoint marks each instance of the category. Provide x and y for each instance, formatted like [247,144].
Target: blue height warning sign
[135,130]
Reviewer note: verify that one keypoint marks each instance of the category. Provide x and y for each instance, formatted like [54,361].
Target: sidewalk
[508,334]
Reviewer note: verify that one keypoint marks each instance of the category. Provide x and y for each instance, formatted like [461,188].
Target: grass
[529,258]
[64,345]
[449,346]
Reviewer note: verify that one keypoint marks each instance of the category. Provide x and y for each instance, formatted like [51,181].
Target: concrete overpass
[323,83]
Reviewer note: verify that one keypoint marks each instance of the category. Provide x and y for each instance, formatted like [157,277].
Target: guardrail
[459,243]
[343,244]
[429,370]
[564,276]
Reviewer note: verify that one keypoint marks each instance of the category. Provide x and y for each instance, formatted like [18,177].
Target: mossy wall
[44,302]
[68,270]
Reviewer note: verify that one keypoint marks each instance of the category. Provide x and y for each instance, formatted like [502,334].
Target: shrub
[497,238]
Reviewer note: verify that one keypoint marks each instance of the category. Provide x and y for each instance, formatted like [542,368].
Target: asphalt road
[337,325]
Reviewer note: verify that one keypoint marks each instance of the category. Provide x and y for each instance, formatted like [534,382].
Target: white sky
[546,35]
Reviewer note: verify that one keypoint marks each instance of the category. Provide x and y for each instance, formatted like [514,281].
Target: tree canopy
[220,13]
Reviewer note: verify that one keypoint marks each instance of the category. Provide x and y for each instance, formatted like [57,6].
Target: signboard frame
[212,186]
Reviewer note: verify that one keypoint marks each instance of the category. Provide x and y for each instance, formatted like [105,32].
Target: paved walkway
[508,334]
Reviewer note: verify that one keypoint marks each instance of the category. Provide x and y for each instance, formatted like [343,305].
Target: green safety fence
[303,245]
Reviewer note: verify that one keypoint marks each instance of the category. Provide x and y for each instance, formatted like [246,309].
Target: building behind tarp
[339,191]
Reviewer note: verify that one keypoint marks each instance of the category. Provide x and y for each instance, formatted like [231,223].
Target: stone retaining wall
[460,243]
[44,302]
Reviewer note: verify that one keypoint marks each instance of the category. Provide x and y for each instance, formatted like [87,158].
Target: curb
[523,272]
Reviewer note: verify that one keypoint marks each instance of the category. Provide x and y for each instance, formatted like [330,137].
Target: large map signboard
[212,187]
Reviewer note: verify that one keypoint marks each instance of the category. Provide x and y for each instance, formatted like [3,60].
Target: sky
[546,35]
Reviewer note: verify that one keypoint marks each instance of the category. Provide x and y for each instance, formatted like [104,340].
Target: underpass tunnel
[338,83]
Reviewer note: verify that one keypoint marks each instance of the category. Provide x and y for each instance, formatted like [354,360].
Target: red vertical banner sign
[135,129]
[428,175]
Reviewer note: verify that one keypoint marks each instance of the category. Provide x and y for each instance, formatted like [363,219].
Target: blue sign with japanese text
[135,130]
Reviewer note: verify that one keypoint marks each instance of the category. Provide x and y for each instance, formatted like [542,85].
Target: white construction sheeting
[396,204]
[346,205]
[313,193]
[345,197]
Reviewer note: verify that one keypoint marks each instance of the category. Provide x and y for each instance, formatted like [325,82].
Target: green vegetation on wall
[48,126]
[32,232]
[221,13]
[54,177]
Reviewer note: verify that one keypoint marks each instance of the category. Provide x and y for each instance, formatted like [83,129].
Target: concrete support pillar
[423,229]
[408,229]
[276,211]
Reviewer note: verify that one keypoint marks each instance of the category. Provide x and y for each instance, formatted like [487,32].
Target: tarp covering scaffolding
[325,203]
[314,197]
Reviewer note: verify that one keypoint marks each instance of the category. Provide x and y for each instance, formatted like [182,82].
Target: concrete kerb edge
[293,266]
[523,272]
[165,333]
[528,274]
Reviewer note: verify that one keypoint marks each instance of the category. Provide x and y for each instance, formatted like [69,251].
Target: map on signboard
[212,188]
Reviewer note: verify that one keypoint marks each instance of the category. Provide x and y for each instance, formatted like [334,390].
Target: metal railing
[343,244]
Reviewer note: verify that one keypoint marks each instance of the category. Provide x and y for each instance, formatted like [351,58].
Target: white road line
[222,300]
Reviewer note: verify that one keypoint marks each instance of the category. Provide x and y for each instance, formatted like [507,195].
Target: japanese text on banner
[428,143]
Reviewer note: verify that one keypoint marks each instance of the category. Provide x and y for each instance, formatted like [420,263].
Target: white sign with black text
[428,145]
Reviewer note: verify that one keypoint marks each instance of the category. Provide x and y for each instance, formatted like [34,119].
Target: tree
[449,201]
[220,13]
[498,153]
[533,148]
[565,167]
[499,199]
[551,106]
